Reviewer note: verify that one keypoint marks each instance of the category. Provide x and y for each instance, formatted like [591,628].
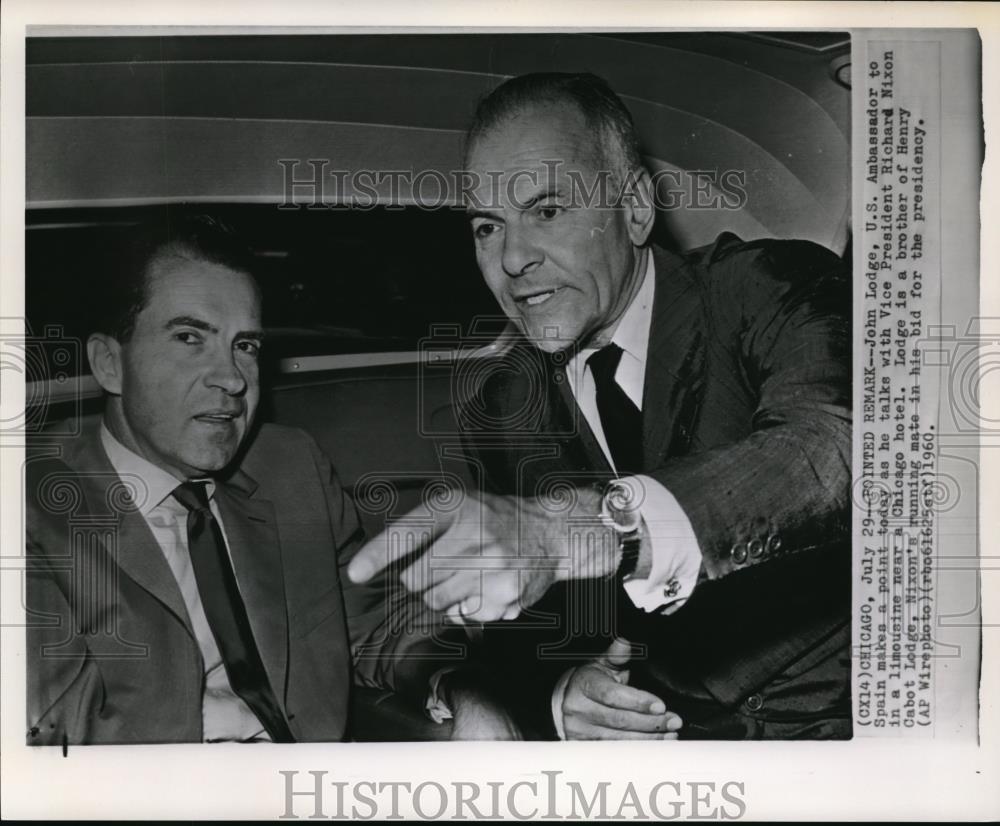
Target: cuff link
[672,588]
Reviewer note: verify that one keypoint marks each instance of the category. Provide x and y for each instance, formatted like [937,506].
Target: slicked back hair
[601,108]
[124,291]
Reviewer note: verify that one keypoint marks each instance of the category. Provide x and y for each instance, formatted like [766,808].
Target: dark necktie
[620,418]
[226,614]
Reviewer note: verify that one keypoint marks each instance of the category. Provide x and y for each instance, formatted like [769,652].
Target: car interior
[374,308]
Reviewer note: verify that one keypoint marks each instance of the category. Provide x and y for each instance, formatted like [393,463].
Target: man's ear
[105,355]
[637,201]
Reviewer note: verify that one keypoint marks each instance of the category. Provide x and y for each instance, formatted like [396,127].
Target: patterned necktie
[226,614]
[620,418]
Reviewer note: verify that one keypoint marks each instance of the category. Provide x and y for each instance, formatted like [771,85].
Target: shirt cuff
[558,693]
[674,554]
[435,706]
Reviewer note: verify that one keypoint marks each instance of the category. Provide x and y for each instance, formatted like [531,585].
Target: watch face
[621,506]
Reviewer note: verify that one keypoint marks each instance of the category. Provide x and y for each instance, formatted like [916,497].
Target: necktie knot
[193,495]
[604,363]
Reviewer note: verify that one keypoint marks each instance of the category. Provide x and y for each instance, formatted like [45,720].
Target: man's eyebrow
[553,192]
[482,213]
[191,321]
[199,324]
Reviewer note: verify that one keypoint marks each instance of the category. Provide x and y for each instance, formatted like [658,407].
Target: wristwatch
[620,512]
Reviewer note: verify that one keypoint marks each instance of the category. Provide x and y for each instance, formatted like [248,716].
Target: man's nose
[227,375]
[521,252]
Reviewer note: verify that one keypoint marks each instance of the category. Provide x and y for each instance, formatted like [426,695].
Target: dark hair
[124,291]
[602,109]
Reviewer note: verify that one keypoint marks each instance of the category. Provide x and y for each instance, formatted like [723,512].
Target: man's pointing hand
[494,555]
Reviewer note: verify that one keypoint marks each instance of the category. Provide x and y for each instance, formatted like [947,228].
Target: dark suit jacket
[112,657]
[747,422]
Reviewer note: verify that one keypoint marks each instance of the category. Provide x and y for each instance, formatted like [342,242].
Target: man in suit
[698,406]
[184,565]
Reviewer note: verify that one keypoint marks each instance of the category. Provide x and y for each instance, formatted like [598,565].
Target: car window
[335,281]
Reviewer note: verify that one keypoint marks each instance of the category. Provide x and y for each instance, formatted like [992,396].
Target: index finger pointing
[403,537]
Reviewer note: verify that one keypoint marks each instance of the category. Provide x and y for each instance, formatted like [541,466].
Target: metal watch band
[630,545]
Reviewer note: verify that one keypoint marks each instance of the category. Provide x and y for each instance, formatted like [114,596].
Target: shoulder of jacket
[277,443]
[730,262]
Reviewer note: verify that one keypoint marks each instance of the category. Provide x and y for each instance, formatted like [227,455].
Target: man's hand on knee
[599,704]
[476,714]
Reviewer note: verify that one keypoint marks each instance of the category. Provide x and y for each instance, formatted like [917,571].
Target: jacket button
[755,547]
[754,702]
[33,731]
[773,543]
[739,553]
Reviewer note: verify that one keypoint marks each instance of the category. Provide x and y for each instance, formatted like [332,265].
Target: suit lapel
[136,552]
[250,529]
[142,559]
[576,424]
[561,420]
[256,553]
[674,360]
[548,434]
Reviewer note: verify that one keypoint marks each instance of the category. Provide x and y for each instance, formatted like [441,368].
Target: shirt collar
[159,483]
[632,332]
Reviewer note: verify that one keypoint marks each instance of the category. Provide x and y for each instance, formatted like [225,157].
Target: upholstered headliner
[143,119]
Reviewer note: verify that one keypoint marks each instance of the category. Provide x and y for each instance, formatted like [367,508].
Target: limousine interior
[374,305]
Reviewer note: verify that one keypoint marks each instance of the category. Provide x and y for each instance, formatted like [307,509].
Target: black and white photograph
[448,387]
[650,450]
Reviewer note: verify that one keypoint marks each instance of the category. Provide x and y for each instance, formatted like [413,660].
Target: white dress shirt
[669,564]
[224,715]
[668,567]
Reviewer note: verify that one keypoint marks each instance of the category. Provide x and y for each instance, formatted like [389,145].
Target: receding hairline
[606,146]
[182,250]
